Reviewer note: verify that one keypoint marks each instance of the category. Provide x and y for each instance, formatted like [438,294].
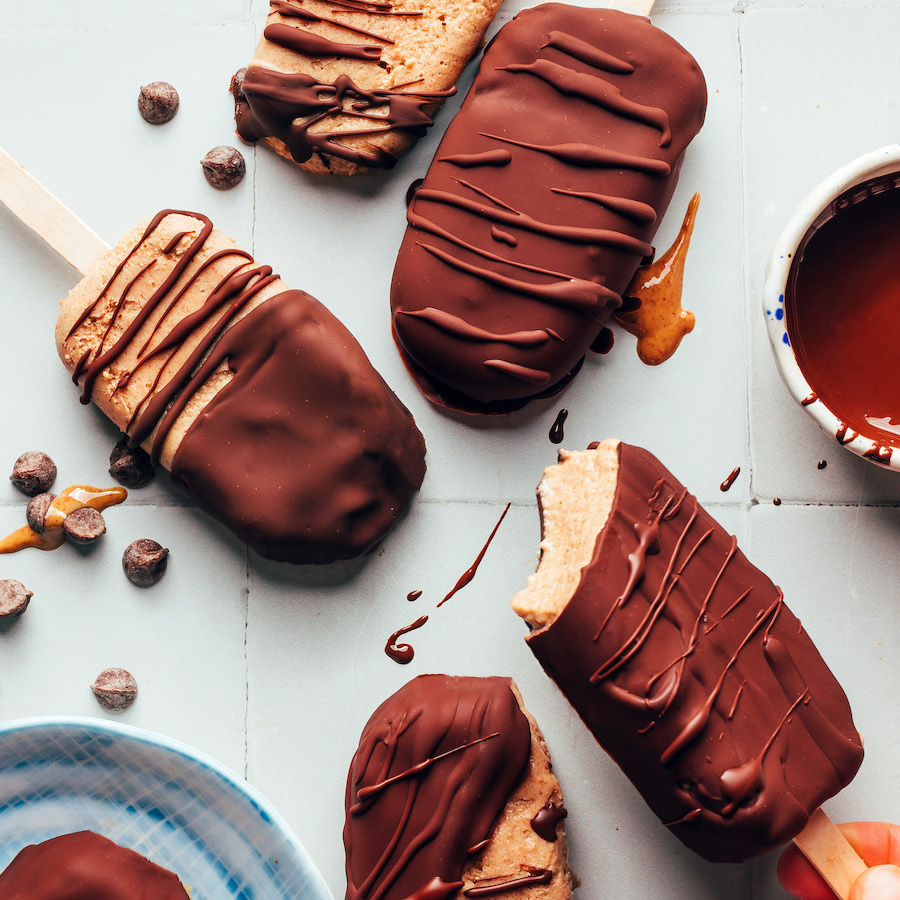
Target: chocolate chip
[84,525]
[115,689]
[33,473]
[37,509]
[224,167]
[14,597]
[145,561]
[130,466]
[158,102]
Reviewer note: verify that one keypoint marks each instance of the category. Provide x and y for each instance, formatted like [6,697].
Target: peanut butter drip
[685,663]
[659,323]
[75,497]
[435,766]
[86,866]
[541,202]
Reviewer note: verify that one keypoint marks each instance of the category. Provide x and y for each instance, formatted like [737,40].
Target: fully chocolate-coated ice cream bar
[451,795]
[541,202]
[86,866]
[682,657]
[255,397]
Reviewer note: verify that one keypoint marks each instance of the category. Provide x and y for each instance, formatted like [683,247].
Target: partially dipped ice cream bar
[451,795]
[339,86]
[540,203]
[86,866]
[682,657]
[254,396]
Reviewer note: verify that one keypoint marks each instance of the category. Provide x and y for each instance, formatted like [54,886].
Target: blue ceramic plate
[169,802]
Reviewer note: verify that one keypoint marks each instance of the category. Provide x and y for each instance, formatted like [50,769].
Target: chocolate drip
[730,479]
[83,865]
[699,682]
[557,435]
[284,106]
[585,206]
[413,595]
[443,755]
[547,818]
[309,44]
[403,653]
[535,876]
[289,11]
[469,574]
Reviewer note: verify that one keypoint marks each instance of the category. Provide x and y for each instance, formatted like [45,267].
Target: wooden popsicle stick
[824,845]
[639,7]
[28,199]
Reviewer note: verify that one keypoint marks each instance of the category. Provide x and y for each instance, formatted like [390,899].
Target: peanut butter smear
[660,323]
[74,497]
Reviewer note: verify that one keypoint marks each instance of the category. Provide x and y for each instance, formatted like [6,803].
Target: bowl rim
[186,752]
[883,161]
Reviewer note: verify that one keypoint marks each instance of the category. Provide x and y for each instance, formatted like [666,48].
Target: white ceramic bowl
[173,804]
[872,165]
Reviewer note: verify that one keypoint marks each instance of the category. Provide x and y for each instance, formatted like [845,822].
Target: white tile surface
[274,670]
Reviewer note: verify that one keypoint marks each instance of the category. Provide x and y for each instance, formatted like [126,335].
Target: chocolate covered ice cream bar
[682,657]
[540,203]
[255,397]
[341,86]
[86,865]
[451,795]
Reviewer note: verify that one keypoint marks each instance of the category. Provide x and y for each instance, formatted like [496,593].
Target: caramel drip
[403,653]
[469,574]
[285,106]
[596,90]
[74,497]
[659,323]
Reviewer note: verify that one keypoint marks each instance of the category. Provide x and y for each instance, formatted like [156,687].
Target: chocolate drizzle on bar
[683,660]
[313,117]
[541,202]
[435,766]
[267,455]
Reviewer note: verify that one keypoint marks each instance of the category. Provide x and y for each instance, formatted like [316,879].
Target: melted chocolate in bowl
[842,311]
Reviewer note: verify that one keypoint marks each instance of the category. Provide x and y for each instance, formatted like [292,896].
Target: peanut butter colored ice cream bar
[451,795]
[254,396]
[341,86]
[682,657]
[540,203]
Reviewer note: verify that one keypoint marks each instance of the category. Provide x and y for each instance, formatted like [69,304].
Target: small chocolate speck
[413,595]
[33,473]
[37,509]
[130,466]
[158,102]
[84,526]
[145,561]
[14,597]
[822,463]
[224,167]
[776,501]
[115,689]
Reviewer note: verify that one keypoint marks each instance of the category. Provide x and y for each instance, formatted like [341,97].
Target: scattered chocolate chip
[84,525]
[224,167]
[158,102]
[115,689]
[130,466]
[145,561]
[14,597]
[37,509]
[33,473]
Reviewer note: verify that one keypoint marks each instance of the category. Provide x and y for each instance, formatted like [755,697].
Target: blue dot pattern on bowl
[171,806]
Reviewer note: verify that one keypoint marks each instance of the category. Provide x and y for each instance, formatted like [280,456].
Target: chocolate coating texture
[86,866]
[541,202]
[453,750]
[685,663]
